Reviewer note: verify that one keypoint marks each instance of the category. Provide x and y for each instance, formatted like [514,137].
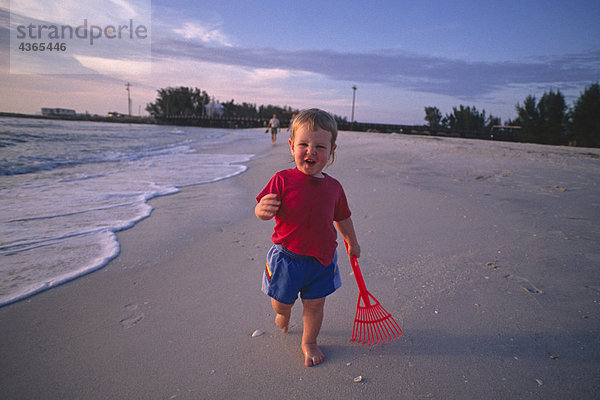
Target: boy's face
[311,150]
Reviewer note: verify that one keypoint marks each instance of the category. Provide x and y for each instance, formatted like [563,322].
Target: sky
[402,56]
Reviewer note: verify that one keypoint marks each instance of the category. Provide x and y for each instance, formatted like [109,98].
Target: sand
[486,253]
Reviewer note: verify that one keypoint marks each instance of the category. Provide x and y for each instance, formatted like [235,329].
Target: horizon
[402,58]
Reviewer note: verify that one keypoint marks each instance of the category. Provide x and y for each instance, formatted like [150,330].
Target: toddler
[306,203]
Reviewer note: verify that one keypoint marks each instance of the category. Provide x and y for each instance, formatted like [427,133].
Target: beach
[486,254]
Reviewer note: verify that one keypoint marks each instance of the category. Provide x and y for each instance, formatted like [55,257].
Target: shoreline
[83,117]
[93,238]
[483,252]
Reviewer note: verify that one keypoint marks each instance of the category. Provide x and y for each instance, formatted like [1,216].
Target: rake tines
[372,323]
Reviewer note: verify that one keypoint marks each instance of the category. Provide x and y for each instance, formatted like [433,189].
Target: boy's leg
[282,319]
[312,315]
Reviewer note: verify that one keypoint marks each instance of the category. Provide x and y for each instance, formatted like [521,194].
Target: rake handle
[360,282]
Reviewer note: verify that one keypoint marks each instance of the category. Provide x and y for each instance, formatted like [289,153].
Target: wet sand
[486,254]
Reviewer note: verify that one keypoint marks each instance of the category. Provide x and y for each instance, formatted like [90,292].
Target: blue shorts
[288,274]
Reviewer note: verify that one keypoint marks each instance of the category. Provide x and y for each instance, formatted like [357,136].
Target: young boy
[305,203]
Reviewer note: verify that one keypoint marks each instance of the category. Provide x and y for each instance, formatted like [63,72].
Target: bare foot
[283,322]
[312,354]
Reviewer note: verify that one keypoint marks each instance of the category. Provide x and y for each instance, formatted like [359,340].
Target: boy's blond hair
[316,118]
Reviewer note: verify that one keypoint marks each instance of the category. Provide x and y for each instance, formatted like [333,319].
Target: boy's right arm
[267,207]
[346,228]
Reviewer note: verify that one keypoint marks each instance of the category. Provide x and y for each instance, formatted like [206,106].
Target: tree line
[461,118]
[548,120]
[192,102]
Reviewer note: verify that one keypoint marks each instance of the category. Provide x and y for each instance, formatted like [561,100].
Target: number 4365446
[26,46]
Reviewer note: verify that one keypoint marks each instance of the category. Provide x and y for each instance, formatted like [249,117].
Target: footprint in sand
[132,316]
[525,284]
[593,287]
[532,289]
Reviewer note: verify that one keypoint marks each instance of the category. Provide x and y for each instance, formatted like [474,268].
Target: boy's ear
[291,142]
[332,155]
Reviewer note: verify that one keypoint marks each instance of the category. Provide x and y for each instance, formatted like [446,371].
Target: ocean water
[66,187]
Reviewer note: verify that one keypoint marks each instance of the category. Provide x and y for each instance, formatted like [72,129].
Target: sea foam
[67,187]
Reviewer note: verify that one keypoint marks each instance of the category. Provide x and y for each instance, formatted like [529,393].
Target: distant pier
[246,123]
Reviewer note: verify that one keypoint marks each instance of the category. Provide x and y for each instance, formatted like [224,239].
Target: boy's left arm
[346,228]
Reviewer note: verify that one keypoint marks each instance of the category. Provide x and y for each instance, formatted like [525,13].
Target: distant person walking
[274,125]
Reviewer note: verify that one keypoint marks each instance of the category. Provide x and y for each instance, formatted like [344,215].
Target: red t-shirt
[309,205]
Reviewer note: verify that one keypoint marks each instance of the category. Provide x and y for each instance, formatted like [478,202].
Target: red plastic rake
[372,323]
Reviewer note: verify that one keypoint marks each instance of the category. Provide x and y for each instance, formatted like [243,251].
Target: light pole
[353,99]
[128,98]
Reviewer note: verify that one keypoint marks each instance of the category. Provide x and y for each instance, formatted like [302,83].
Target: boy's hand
[267,207]
[353,251]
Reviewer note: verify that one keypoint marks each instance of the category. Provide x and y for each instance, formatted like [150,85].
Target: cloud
[124,46]
[73,12]
[126,7]
[266,76]
[114,67]
[467,80]
[206,33]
